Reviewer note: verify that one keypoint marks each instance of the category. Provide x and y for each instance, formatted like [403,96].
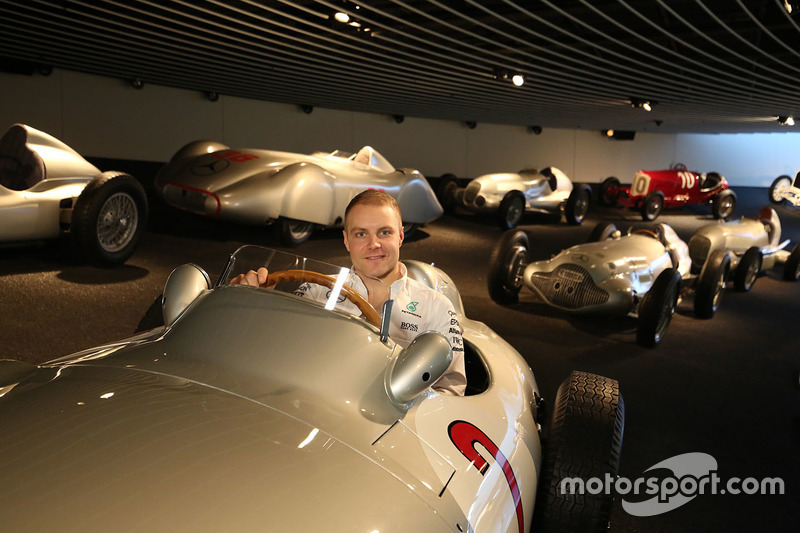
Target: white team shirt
[417,308]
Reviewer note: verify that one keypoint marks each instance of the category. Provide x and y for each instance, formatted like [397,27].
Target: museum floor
[727,386]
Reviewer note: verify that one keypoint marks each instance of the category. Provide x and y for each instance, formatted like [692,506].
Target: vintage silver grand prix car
[754,245]
[509,195]
[785,190]
[639,274]
[257,409]
[48,191]
[296,192]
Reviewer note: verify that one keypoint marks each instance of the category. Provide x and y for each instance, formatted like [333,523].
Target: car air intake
[569,286]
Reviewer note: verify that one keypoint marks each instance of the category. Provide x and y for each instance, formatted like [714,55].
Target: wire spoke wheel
[117,222]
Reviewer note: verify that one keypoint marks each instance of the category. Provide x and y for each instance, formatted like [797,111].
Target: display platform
[726,387]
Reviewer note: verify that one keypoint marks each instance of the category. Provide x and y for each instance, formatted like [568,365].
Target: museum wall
[106,117]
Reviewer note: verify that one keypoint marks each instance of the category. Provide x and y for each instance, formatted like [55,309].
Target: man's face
[373,236]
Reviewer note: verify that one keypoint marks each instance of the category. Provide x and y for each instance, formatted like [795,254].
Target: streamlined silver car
[294,192]
[509,196]
[640,274]
[256,409]
[754,245]
[48,191]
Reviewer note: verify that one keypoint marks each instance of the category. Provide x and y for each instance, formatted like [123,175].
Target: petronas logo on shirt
[412,306]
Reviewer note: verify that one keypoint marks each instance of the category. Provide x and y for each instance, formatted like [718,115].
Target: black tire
[781,182]
[577,205]
[512,207]
[109,218]
[657,307]
[609,191]
[711,284]
[602,231]
[294,232]
[582,439]
[723,204]
[508,259]
[652,205]
[791,270]
[446,191]
[747,270]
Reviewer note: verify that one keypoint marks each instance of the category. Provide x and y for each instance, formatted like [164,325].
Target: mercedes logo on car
[206,168]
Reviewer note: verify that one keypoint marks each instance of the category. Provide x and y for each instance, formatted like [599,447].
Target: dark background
[727,386]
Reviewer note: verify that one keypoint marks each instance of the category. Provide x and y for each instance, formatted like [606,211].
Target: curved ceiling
[707,66]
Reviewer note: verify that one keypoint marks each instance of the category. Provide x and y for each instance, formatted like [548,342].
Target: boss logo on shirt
[409,327]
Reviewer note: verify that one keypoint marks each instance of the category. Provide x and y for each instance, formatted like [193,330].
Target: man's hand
[253,279]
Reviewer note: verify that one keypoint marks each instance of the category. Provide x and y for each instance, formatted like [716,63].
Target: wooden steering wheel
[645,231]
[366,309]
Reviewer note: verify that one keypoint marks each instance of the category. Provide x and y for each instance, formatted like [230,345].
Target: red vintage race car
[653,190]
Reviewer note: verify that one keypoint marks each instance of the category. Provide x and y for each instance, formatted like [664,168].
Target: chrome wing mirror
[418,366]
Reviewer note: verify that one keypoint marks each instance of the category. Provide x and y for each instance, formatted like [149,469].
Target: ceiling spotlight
[212,96]
[791,7]
[608,133]
[536,130]
[341,19]
[505,74]
[647,105]
[137,83]
[786,121]
[307,109]
[399,118]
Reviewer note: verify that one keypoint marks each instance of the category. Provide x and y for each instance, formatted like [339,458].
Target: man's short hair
[373,197]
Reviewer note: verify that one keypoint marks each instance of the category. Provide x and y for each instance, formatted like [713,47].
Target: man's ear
[346,244]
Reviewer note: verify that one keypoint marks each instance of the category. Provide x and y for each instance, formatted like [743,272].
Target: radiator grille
[570,287]
[698,249]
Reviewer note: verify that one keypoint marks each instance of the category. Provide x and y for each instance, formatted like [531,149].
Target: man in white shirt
[373,234]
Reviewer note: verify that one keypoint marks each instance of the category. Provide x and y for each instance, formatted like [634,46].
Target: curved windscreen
[322,284]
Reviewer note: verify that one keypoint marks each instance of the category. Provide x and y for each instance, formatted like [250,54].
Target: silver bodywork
[484,194]
[737,236]
[257,187]
[43,210]
[259,410]
[607,277]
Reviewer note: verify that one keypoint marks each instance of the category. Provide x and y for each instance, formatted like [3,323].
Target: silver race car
[297,192]
[509,196]
[47,190]
[640,274]
[785,190]
[256,409]
[754,245]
